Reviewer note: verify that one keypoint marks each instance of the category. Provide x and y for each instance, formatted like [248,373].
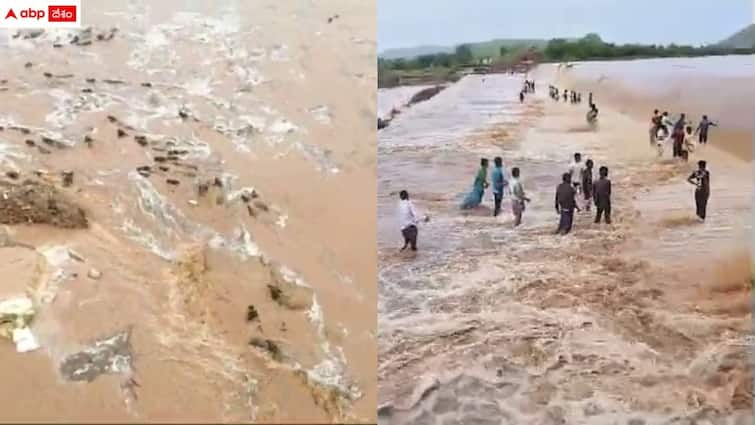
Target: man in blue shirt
[498,177]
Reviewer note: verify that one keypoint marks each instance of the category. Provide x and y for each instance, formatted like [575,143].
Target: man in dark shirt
[702,129]
[602,196]
[565,204]
[680,123]
[701,179]
[678,137]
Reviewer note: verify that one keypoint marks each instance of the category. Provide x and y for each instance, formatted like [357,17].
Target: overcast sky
[410,23]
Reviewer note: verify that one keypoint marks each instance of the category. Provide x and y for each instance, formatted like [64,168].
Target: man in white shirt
[408,220]
[575,171]
[519,197]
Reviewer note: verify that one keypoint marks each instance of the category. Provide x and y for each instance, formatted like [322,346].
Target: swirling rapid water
[207,153]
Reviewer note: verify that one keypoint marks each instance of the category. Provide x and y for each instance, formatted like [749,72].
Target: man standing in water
[678,137]
[519,198]
[565,204]
[701,179]
[655,124]
[587,186]
[702,129]
[680,123]
[408,220]
[498,177]
[575,171]
[603,196]
[689,144]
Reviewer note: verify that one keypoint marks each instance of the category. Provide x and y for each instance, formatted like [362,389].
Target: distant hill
[480,49]
[743,39]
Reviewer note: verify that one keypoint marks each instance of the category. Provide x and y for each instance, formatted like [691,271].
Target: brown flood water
[228,97]
[643,321]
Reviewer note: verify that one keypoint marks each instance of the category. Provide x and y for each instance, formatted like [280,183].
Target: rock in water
[67,178]
[39,202]
[107,355]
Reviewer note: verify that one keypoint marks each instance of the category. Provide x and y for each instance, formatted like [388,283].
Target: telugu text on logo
[61,13]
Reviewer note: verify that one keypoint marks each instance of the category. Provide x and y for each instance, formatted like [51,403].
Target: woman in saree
[474,198]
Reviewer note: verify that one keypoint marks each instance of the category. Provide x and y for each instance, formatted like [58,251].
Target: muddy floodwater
[169,250]
[645,321]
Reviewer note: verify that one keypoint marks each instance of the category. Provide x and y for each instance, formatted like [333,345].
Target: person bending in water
[702,130]
[701,179]
[587,185]
[603,196]
[565,204]
[592,115]
[408,219]
[474,198]
[519,197]
[498,177]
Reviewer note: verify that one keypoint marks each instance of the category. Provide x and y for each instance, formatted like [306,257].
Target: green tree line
[589,47]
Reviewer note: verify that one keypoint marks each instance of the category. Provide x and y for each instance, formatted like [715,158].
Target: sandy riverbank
[208,184]
[640,322]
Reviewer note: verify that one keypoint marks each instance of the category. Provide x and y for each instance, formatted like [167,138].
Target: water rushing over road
[488,324]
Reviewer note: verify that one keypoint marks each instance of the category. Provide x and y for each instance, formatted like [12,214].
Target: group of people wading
[576,98]
[577,182]
[679,133]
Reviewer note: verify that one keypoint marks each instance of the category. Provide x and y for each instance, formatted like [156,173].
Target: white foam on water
[321,114]
[148,240]
[199,87]
[10,155]
[279,53]
[282,126]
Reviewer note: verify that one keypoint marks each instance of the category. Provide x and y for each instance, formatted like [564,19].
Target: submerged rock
[16,315]
[269,346]
[39,202]
[108,355]
[141,140]
[252,314]
[288,293]
[94,274]
[67,178]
